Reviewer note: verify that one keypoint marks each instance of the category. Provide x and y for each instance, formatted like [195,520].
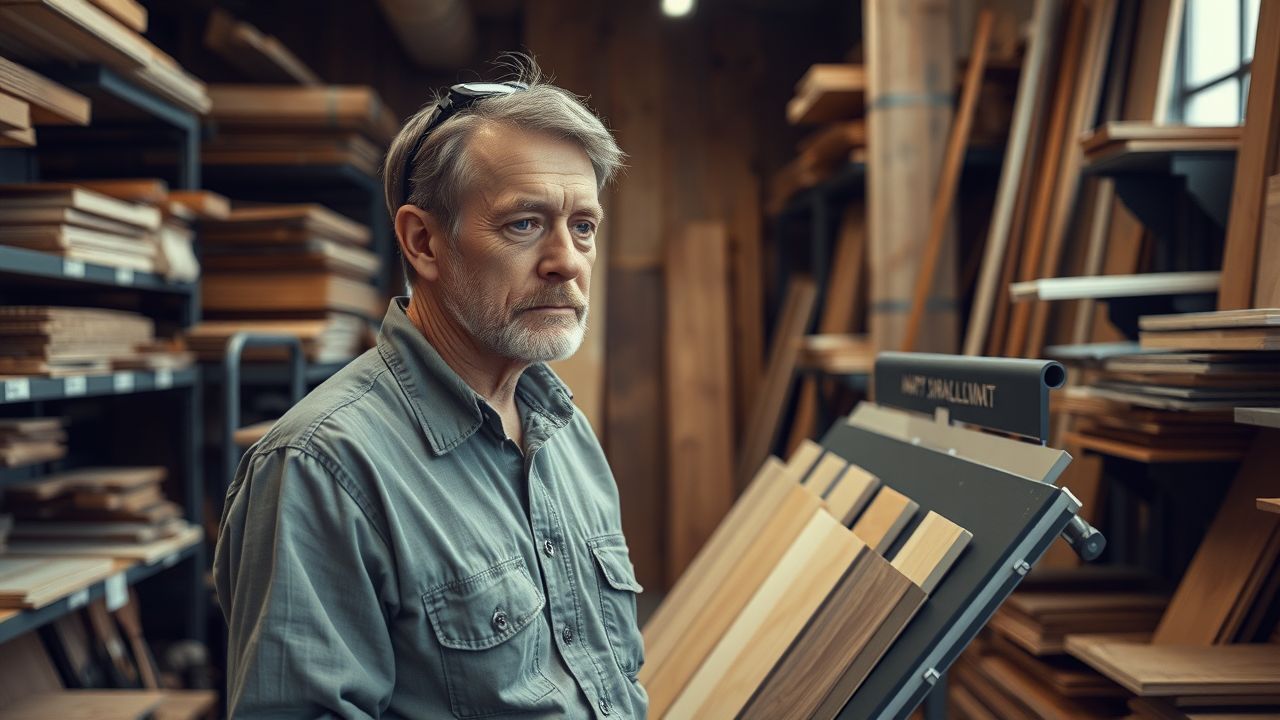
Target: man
[434,532]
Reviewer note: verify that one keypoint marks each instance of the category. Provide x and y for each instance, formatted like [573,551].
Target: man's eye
[585,229]
[523,226]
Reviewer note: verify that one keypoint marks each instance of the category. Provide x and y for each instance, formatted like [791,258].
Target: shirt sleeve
[305,582]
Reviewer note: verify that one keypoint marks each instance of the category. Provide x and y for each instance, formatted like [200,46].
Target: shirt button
[549,548]
[500,620]
[567,634]
[605,707]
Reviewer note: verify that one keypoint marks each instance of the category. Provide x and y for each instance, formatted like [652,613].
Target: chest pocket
[489,627]
[618,590]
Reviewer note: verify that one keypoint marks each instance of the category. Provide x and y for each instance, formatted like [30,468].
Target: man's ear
[422,240]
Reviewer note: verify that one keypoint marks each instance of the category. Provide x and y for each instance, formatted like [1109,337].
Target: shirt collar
[447,409]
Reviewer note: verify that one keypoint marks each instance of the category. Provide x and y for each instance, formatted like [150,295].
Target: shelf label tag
[123,382]
[78,599]
[17,390]
[73,268]
[117,592]
[170,560]
[164,378]
[75,386]
[124,276]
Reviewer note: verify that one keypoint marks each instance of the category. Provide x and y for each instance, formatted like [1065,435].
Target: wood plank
[51,103]
[1233,339]
[824,474]
[885,519]
[1267,290]
[15,114]
[851,494]
[770,622]
[1255,162]
[828,93]
[1148,454]
[910,63]
[1259,317]
[1111,286]
[700,478]
[949,179]
[666,681]
[998,248]
[1173,670]
[804,458]
[1237,547]
[766,414]
[130,13]
[862,602]
[1271,505]
[260,57]
[934,546]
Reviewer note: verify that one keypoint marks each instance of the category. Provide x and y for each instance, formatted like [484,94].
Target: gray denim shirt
[386,551]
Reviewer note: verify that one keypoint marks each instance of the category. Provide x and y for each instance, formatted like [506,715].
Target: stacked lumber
[28,582]
[28,99]
[118,512]
[1116,138]
[1224,330]
[78,223]
[831,96]
[288,262]
[828,92]
[258,56]
[174,239]
[791,603]
[49,32]
[28,441]
[47,341]
[289,125]
[337,337]
[1039,622]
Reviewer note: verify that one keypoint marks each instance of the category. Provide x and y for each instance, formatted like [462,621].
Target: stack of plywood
[28,99]
[791,603]
[116,512]
[27,441]
[47,32]
[290,125]
[31,582]
[337,337]
[58,341]
[288,262]
[79,224]
[1249,330]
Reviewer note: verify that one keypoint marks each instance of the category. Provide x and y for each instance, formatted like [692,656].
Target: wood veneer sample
[931,550]
[851,493]
[885,519]
[1174,670]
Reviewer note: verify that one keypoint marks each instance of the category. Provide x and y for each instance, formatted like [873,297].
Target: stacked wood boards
[336,337]
[50,103]
[79,32]
[58,341]
[1149,670]
[1116,138]
[33,582]
[27,441]
[287,262]
[1230,330]
[80,224]
[260,57]
[281,125]
[790,609]
[828,92]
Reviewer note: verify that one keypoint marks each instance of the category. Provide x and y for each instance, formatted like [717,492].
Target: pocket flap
[615,563]
[486,609]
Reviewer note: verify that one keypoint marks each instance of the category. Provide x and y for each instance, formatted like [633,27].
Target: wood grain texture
[848,620]
[673,618]
[949,179]
[700,487]
[1233,339]
[15,114]
[934,546]
[851,493]
[1267,286]
[1172,670]
[770,622]
[766,414]
[717,611]
[885,519]
[1256,161]
[824,475]
[804,458]
[1238,546]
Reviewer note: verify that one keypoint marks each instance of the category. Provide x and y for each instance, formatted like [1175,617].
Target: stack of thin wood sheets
[792,602]
[287,262]
[46,341]
[28,99]
[27,441]
[1118,138]
[81,224]
[828,92]
[51,32]
[114,512]
[290,125]
[1223,331]
[31,582]
[336,337]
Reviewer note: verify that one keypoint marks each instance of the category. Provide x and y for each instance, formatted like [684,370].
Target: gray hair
[442,169]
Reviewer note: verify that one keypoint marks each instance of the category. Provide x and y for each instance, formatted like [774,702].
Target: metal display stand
[998,488]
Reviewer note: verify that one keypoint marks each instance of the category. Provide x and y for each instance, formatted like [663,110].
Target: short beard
[511,337]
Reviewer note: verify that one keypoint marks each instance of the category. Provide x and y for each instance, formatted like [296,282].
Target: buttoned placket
[563,590]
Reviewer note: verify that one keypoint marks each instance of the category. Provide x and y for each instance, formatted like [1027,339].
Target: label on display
[75,385]
[124,276]
[73,268]
[164,378]
[78,599]
[117,592]
[17,390]
[123,382]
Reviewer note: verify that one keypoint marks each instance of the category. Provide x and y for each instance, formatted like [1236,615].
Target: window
[1213,68]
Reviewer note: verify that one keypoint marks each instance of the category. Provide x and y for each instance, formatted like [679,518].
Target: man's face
[519,277]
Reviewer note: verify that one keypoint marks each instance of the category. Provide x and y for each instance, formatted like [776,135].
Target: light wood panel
[1271,505]
[885,519]
[827,470]
[934,546]
[1173,670]
[851,493]
[1255,162]
[770,622]
[700,487]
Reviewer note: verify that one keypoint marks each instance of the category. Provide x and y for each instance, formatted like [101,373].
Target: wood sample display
[770,622]
[1255,162]
[885,519]
[932,549]
[27,441]
[700,479]
[259,56]
[1162,670]
[57,341]
[850,494]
